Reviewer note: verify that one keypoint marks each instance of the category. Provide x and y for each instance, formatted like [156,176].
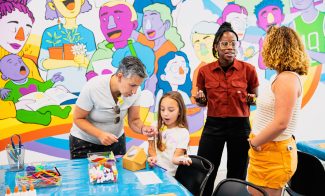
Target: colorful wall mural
[50,49]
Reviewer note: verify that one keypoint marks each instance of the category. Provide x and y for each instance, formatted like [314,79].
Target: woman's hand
[107,138]
[200,98]
[152,161]
[251,99]
[254,147]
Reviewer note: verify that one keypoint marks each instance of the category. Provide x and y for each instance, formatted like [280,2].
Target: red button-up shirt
[226,92]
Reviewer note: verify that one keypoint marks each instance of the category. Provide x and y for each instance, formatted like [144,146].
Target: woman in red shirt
[228,87]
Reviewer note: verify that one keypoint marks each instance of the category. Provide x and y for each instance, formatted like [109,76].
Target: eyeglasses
[117,111]
[226,44]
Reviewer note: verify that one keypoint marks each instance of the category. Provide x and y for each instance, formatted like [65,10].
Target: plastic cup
[15,157]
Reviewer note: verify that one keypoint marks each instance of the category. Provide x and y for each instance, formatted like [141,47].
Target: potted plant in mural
[55,52]
[73,37]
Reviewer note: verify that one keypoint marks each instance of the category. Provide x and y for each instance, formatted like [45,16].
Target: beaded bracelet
[141,129]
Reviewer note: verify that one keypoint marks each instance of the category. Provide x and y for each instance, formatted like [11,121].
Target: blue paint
[55,142]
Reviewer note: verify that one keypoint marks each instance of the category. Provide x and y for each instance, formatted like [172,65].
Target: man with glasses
[101,107]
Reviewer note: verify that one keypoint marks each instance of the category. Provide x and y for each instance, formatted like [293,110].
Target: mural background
[194,23]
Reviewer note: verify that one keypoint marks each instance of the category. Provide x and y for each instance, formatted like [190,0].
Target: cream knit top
[264,114]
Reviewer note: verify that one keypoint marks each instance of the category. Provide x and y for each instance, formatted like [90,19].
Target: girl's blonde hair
[181,120]
[283,50]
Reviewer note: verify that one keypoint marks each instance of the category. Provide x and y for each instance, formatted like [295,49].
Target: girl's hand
[152,161]
[184,160]
[107,138]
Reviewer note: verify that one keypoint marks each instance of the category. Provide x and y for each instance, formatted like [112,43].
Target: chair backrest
[309,178]
[236,187]
[195,176]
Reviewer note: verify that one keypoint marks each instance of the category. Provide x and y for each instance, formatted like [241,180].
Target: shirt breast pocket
[215,90]
[239,90]
[212,85]
[237,84]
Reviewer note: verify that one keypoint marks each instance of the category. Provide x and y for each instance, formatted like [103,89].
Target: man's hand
[107,138]
[149,131]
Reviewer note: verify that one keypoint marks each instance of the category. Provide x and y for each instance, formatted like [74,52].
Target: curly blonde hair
[283,50]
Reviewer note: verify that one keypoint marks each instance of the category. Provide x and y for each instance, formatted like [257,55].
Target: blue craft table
[75,181]
[314,147]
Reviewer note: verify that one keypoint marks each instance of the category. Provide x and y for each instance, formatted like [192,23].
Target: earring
[217,55]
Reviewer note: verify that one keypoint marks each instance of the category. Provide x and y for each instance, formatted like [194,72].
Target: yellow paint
[12,126]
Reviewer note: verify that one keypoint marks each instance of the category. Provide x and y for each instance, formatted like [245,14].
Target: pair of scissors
[16,148]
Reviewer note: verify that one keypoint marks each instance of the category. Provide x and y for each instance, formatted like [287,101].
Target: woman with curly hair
[273,151]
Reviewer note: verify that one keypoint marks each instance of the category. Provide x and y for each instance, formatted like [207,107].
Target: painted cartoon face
[268,16]
[169,111]
[13,68]
[202,44]
[176,71]
[238,22]
[15,29]
[68,8]
[115,23]
[153,26]
[302,4]
[129,86]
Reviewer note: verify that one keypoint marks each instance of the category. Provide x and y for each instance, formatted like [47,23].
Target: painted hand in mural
[81,60]
[57,77]
[4,93]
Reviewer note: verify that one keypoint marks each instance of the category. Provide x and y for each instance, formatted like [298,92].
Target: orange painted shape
[130,133]
[39,133]
[310,89]
[20,34]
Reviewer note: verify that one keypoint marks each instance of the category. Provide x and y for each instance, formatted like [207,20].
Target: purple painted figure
[16,71]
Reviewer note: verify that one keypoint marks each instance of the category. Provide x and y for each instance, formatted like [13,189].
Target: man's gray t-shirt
[97,98]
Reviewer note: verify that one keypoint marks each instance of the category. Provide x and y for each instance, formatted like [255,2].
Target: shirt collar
[216,65]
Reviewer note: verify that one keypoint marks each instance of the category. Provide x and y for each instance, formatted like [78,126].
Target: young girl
[173,136]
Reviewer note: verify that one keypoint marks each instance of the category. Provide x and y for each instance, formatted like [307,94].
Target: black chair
[195,176]
[236,187]
[309,178]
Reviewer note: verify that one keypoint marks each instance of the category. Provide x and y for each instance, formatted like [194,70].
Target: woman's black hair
[225,27]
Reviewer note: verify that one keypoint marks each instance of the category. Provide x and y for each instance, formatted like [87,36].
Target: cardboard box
[135,159]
